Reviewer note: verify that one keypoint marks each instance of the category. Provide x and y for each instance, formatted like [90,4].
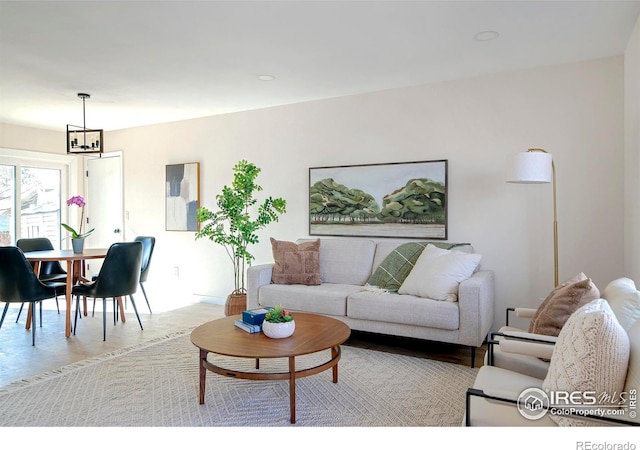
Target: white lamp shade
[531,167]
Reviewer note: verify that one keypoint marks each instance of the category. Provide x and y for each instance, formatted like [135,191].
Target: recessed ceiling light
[266,77]
[486,36]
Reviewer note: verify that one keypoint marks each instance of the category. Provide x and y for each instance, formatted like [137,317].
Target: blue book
[249,328]
[255,316]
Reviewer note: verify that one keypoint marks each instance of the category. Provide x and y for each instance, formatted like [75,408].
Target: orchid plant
[77,200]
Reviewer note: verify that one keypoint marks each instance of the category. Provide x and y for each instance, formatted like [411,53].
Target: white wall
[574,111]
[632,156]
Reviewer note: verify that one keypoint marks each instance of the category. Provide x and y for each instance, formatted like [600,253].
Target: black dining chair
[50,271]
[19,284]
[119,276]
[148,243]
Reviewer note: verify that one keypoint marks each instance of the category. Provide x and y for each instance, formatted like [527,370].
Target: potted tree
[235,225]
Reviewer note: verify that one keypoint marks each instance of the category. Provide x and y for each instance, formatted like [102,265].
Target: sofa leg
[473,357]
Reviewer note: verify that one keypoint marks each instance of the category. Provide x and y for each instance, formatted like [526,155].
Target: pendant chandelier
[81,140]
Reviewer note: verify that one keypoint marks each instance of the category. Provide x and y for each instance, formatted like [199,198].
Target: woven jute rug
[156,384]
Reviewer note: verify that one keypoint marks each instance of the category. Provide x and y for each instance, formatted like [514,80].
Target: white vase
[278,330]
[77,244]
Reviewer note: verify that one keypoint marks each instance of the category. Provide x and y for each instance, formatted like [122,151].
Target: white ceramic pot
[278,330]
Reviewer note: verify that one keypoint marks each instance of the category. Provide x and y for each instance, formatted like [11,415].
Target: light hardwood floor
[19,359]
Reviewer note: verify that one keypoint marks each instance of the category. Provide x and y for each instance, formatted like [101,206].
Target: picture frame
[400,200]
[182,197]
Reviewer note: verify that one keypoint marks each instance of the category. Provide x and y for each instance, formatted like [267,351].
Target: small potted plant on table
[278,323]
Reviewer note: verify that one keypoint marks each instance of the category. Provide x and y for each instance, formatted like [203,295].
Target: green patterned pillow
[392,271]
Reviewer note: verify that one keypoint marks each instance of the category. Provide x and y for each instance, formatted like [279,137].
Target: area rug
[156,385]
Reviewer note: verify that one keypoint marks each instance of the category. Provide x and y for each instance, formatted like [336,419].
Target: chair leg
[33,324]
[136,310]
[19,311]
[75,320]
[104,319]
[57,305]
[4,313]
[40,314]
[145,297]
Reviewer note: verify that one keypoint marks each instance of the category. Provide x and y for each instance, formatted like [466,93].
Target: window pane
[7,213]
[40,204]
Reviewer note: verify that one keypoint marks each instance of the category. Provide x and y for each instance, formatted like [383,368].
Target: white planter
[278,330]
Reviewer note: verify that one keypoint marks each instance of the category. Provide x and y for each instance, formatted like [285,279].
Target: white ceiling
[147,62]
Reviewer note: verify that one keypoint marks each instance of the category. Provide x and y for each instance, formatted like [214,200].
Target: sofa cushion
[403,309]
[563,301]
[391,272]
[591,355]
[438,273]
[296,263]
[345,261]
[327,298]
[624,299]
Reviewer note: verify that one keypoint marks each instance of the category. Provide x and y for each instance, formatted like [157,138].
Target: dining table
[75,272]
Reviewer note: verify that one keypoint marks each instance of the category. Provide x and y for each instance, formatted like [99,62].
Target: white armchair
[593,353]
[531,354]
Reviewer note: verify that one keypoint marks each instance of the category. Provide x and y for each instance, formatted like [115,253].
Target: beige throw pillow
[438,272]
[296,263]
[624,299]
[563,301]
[590,355]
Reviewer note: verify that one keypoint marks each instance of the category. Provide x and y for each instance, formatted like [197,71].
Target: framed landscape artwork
[407,200]
[182,197]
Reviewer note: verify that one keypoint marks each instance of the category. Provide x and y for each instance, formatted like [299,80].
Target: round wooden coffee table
[314,333]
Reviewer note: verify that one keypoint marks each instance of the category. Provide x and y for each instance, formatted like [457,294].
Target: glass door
[7,205]
[33,188]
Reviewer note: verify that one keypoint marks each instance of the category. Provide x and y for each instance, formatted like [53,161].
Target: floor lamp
[533,167]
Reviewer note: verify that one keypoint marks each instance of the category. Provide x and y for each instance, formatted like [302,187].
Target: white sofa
[345,267]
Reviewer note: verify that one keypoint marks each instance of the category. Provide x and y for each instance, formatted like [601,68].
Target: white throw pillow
[591,354]
[624,299]
[438,272]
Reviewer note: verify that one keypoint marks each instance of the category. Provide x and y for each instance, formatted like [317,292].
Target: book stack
[252,319]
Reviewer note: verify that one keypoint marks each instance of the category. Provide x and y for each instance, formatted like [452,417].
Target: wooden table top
[66,255]
[313,333]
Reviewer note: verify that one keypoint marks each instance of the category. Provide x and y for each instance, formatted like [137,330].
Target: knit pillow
[393,270]
[624,299]
[296,263]
[590,355]
[563,301]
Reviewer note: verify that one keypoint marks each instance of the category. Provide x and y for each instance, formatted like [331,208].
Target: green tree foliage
[331,201]
[233,225]
[420,201]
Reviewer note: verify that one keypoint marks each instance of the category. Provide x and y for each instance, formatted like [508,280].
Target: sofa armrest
[476,303]
[257,276]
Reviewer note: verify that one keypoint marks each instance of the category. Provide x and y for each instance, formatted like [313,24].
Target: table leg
[292,388]
[67,296]
[203,374]
[121,308]
[36,270]
[334,354]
